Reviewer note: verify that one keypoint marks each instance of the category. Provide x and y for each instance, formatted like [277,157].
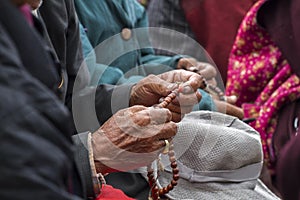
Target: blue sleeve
[100,73]
[206,102]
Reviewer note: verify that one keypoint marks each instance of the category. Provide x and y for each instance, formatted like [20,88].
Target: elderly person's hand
[132,138]
[151,89]
[205,69]
[228,108]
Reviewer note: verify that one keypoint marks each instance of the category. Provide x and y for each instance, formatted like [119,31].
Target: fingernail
[193,69]
[172,86]
[233,98]
[187,89]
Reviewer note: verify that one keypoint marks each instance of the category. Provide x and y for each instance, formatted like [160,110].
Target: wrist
[98,140]
[103,169]
[132,96]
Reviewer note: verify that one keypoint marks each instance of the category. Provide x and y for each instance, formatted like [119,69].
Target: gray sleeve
[92,106]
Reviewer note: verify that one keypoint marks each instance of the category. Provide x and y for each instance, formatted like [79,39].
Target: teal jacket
[116,44]
[103,22]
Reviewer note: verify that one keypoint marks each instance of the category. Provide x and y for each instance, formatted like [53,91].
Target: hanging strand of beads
[157,193]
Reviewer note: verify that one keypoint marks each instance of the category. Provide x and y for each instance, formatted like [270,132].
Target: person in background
[212,24]
[284,31]
[264,74]
[39,158]
[115,37]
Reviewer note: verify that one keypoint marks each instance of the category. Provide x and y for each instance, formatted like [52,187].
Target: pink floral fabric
[261,78]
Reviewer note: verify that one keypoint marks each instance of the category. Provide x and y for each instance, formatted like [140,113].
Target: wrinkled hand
[205,69]
[228,108]
[151,89]
[132,138]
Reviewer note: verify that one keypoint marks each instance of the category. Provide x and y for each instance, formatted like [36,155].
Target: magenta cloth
[261,78]
[26,11]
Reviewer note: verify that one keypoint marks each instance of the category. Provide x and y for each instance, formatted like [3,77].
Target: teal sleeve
[206,102]
[100,73]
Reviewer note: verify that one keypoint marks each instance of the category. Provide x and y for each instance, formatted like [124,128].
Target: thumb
[161,87]
[231,99]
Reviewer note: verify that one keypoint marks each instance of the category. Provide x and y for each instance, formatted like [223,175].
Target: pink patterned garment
[261,78]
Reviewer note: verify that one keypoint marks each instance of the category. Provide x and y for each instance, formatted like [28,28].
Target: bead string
[156,193]
[215,90]
[211,89]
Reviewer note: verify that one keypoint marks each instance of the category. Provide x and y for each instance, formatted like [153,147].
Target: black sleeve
[36,152]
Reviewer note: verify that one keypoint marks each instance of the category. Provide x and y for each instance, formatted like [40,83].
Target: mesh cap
[218,156]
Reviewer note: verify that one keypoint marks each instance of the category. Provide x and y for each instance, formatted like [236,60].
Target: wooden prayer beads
[214,90]
[211,89]
[157,193]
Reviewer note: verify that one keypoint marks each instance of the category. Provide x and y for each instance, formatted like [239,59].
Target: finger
[212,81]
[185,63]
[159,115]
[157,146]
[165,131]
[165,146]
[177,117]
[206,69]
[136,108]
[152,115]
[187,99]
[231,99]
[194,80]
[160,86]
[141,118]
[229,109]
[235,111]
[180,108]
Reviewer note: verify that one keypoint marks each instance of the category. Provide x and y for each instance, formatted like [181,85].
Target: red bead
[175,177]
[174,183]
[170,187]
[163,191]
[155,190]
[155,196]
[175,171]
[174,164]
[150,176]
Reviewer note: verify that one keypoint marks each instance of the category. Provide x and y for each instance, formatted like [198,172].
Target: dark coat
[36,148]
[37,160]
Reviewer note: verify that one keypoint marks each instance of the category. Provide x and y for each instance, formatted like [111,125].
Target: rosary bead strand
[156,193]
